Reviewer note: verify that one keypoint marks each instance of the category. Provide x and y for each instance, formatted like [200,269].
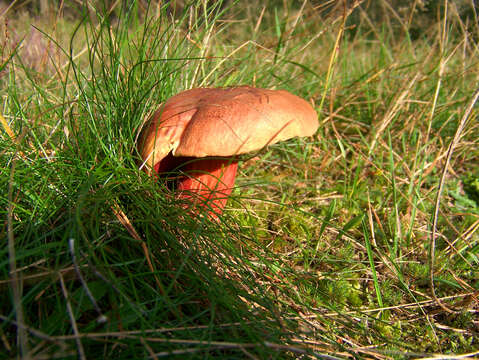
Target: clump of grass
[325,246]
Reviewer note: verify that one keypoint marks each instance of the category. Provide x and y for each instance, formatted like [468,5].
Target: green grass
[324,249]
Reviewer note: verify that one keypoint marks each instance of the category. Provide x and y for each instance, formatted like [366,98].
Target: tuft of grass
[324,249]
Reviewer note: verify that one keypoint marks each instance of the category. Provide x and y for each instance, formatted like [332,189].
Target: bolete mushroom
[202,131]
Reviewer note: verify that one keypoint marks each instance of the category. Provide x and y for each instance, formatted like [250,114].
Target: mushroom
[202,131]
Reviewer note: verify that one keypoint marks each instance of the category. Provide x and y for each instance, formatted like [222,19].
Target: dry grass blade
[62,345]
[34,332]
[419,304]
[451,357]
[10,6]
[101,318]
[121,216]
[6,127]
[214,345]
[465,236]
[81,351]
[450,151]
[334,55]
[392,112]
[141,332]
[148,349]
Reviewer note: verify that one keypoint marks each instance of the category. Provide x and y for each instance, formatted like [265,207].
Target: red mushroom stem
[207,181]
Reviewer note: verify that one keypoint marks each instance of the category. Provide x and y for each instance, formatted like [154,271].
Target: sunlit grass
[324,247]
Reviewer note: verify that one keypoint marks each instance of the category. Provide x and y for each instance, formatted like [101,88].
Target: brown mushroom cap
[224,122]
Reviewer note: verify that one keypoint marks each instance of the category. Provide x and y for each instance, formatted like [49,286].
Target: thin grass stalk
[397,224]
[450,151]
[369,251]
[332,61]
[22,335]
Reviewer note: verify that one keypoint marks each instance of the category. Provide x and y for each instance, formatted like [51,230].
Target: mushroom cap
[224,122]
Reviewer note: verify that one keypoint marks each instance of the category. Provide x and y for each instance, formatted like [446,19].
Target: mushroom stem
[207,181]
